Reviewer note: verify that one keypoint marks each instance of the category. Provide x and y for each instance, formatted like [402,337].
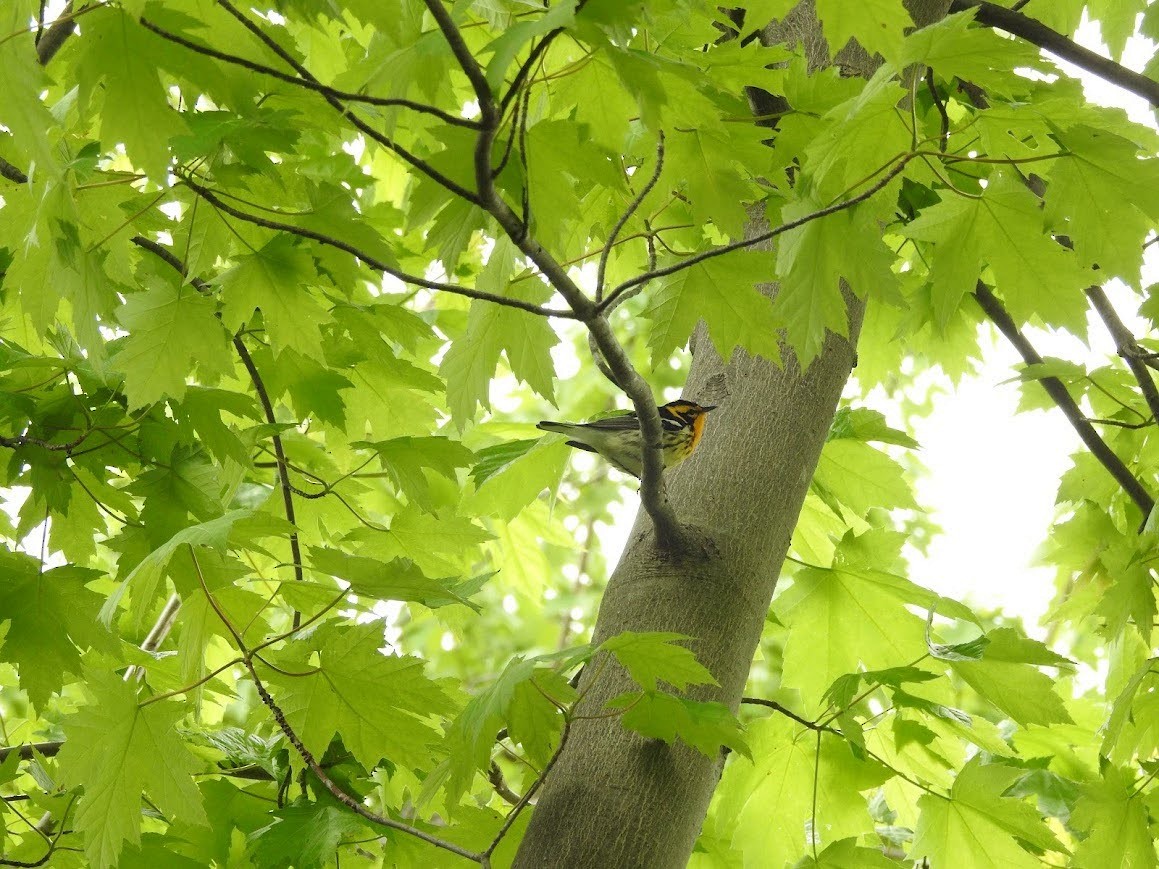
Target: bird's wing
[624,422]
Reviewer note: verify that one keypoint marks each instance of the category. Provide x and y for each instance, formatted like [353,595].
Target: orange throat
[697,431]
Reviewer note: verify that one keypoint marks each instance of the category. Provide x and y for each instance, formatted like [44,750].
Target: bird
[617,438]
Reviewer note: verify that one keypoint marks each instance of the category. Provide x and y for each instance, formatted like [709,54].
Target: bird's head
[687,411]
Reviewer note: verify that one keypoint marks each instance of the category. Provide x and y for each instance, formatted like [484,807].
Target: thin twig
[513,815]
[788,713]
[495,776]
[632,206]
[370,260]
[53,844]
[743,244]
[944,139]
[60,30]
[280,454]
[308,84]
[157,634]
[466,59]
[305,753]
[1127,347]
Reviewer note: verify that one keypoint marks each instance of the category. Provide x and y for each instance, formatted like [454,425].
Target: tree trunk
[615,799]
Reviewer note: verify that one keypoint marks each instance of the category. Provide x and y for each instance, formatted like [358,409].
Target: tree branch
[372,261]
[60,30]
[1127,347]
[280,455]
[788,713]
[305,753]
[466,61]
[263,397]
[157,634]
[1037,33]
[1057,390]
[29,749]
[12,173]
[526,798]
[653,495]
[495,776]
[308,83]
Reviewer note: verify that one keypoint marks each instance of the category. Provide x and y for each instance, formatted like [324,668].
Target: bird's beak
[708,408]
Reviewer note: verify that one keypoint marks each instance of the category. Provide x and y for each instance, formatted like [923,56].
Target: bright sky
[993,473]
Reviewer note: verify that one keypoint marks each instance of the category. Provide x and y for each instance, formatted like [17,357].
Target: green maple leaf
[394,580]
[845,854]
[1130,597]
[655,656]
[136,108]
[21,109]
[116,750]
[875,628]
[438,544]
[276,280]
[721,292]
[812,260]
[878,25]
[533,721]
[202,407]
[1116,22]
[228,807]
[1003,229]
[504,49]
[471,736]
[601,101]
[862,477]
[716,191]
[1123,710]
[1104,171]
[562,161]
[977,826]
[511,475]
[1007,677]
[50,621]
[705,726]
[863,424]
[1116,823]
[408,459]
[315,389]
[956,48]
[378,703]
[169,328]
[492,329]
[145,576]
[860,135]
[769,800]
[305,836]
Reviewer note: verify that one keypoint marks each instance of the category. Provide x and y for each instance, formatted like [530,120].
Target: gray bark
[615,799]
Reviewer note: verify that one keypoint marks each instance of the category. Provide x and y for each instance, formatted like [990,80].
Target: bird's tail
[557,427]
[569,429]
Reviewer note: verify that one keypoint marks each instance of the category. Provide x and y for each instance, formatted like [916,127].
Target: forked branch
[1058,392]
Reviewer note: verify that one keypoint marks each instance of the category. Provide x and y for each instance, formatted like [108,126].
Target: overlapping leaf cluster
[240,369]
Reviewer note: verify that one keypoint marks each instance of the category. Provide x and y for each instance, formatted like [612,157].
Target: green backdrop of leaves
[282,585]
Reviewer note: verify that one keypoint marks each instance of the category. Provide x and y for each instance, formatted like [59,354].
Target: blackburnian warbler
[617,438]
